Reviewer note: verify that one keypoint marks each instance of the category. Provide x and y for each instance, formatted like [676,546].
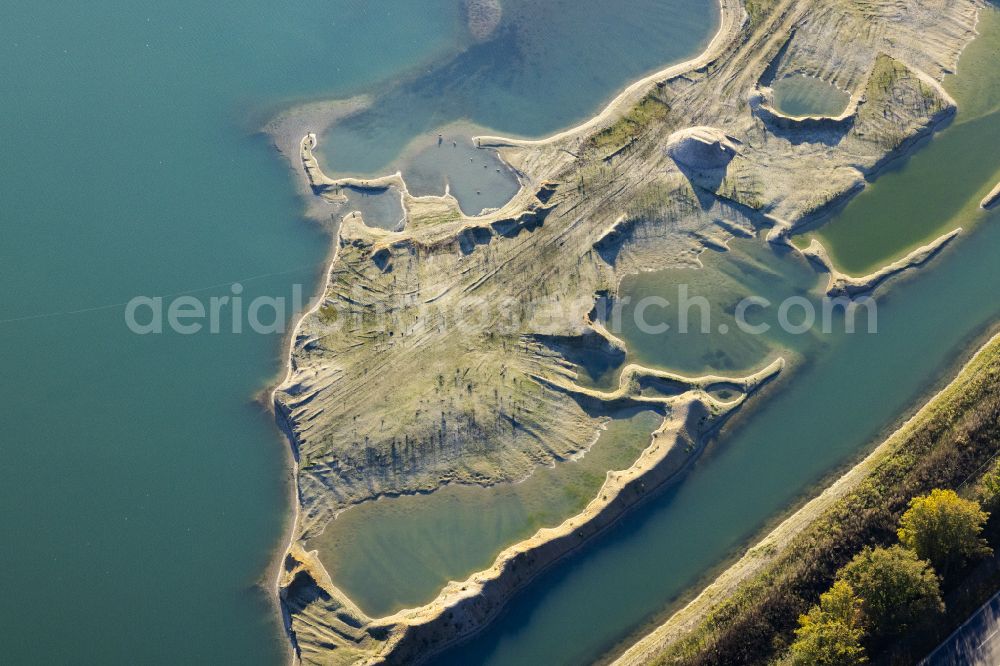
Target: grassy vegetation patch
[651,109]
[758,10]
[885,73]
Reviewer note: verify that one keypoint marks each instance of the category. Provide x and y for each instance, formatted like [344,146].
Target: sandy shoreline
[288,538]
[991,199]
[480,597]
[300,120]
[841,284]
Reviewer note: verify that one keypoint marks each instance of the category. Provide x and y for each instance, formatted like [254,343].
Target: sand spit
[330,188]
[391,391]
[286,132]
[771,547]
[992,199]
[287,129]
[841,284]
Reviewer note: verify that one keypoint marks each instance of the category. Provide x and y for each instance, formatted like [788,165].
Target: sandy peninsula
[681,161]
[992,199]
[840,284]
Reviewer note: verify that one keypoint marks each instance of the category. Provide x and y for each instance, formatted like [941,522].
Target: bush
[830,634]
[944,529]
[896,588]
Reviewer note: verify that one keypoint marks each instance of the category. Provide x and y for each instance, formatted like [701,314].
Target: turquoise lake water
[144,491]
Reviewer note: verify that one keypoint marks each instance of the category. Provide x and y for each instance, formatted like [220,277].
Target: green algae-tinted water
[710,339]
[399,553]
[956,170]
[801,95]
[143,491]
[847,395]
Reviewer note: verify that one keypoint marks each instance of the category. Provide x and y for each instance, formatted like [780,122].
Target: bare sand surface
[992,199]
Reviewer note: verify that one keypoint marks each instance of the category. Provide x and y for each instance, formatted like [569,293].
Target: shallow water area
[477,178]
[383,210]
[801,95]
[398,553]
[685,319]
[547,66]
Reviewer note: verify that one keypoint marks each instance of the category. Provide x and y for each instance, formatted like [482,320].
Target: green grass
[885,73]
[758,10]
[651,109]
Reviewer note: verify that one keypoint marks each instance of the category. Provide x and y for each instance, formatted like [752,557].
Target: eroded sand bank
[841,284]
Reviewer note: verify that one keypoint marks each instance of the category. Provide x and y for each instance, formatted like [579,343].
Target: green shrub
[897,589]
[830,634]
[944,529]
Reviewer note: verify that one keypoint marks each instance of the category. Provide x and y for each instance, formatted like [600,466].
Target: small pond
[801,95]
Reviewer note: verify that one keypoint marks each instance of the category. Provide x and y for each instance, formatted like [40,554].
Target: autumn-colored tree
[944,529]
[897,589]
[830,634]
